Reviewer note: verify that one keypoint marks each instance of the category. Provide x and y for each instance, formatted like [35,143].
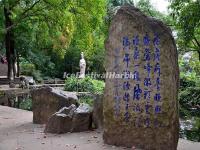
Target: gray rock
[4,100]
[61,121]
[145,48]
[47,101]
[82,118]
[70,119]
[97,115]
[12,84]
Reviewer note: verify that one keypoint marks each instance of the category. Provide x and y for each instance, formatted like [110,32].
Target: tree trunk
[199,54]
[18,68]
[9,44]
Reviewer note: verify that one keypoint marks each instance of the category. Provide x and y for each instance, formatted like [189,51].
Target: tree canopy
[187,16]
[51,34]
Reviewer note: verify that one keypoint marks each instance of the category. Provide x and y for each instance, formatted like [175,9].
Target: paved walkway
[18,133]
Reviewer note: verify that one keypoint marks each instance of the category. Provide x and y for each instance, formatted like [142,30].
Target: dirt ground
[18,133]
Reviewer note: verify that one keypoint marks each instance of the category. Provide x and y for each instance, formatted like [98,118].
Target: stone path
[18,133]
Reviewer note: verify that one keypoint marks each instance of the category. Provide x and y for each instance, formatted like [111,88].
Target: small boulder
[61,121]
[47,101]
[70,119]
[82,118]
[11,84]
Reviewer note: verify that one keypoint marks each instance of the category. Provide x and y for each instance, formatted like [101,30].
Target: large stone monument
[82,64]
[140,103]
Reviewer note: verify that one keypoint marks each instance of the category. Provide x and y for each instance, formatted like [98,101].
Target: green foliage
[26,104]
[189,101]
[2,93]
[84,85]
[191,133]
[189,93]
[146,7]
[187,16]
[37,76]
[27,68]
[190,69]
[88,36]
[86,99]
[47,31]
[98,86]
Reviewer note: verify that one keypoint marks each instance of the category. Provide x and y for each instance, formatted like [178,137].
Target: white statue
[82,64]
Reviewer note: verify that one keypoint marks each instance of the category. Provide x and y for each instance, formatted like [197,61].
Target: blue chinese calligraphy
[158,84]
[126,41]
[157,54]
[136,53]
[126,97]
[126,75]
[157,97]
[136,76]
[136,40]
[147,107]
[157,109]
[137,108]
[157,69]
[146,40]
[137,92]
[147,94]
[147,54]
[148,67]
[147,82]
[126,60]
[156,40]
[141,90]
[126,85]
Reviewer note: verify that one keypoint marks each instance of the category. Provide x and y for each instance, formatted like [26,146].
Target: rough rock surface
[4,101]
[47,101]
[82,118]
[70,119]
[97,115]
[61,121]
[130,117]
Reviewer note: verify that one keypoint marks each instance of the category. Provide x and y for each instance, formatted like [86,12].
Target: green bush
[86,99]
[27,69]
[84,85]
[37,76]
[26,104]
[189,100]
[185,83]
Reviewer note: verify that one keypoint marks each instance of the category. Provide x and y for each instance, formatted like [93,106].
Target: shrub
[87,99]
[26,104]
[84,85]
[189,100]
[27,68]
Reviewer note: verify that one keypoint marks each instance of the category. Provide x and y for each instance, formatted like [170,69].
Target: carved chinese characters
[140,107]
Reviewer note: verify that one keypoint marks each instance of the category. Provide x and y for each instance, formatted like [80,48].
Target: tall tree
[187,16]
[47,15]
